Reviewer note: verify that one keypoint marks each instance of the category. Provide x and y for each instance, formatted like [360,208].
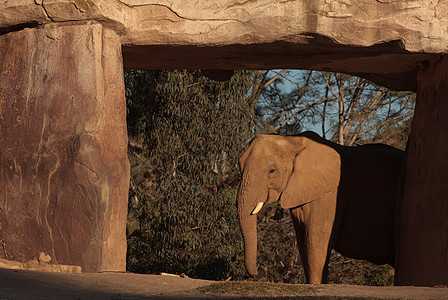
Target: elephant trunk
[248,225]
[248,197]
[253,190]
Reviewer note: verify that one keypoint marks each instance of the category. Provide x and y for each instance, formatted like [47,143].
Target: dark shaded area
[218,75]
[18,27]
[21,284]
[386,64]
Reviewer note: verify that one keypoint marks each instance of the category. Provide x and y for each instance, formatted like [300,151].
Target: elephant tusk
[257,208]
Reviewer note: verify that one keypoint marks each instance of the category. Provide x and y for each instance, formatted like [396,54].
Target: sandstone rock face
[64,172]
[420,25]
[384,41]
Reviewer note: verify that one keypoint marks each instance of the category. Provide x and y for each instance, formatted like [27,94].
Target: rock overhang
[384,41]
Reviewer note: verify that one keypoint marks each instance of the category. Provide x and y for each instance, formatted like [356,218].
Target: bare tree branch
[350,108]
[301,110]
[293,106]
[377,126]
[273,79]
[372,106]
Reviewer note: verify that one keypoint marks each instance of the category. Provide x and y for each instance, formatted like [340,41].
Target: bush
[185,176]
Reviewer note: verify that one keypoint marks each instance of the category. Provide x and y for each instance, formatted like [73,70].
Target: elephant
[339,197]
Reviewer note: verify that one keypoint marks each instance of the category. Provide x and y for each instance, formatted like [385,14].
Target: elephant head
[294,170]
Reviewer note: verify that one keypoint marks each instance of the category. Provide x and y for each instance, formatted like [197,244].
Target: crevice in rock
[18,27]
[89,169]
[45,11]
[178,15]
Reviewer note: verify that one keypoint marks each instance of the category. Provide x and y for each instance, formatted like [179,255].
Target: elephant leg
[300,230]
[313,223]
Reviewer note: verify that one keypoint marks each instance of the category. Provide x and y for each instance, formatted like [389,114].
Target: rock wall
[64,173]
[422,252]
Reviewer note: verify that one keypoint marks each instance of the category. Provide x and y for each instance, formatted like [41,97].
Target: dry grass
[267,290]
[258,290]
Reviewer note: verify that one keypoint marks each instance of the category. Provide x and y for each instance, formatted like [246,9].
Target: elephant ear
[317,171]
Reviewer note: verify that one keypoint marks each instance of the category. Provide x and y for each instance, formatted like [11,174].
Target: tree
[188,133]
[345,109]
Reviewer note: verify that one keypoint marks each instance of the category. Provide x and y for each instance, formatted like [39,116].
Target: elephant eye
[271,171]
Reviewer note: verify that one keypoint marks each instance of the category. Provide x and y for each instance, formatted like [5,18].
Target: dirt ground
[21,284]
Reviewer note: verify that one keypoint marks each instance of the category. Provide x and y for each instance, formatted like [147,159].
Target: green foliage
[186,134]
[185,177]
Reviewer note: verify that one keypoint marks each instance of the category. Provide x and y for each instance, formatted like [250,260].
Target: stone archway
[63,166]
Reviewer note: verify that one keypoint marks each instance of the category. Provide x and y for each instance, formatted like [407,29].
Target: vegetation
[186,134]
[185,174]
[345,109]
